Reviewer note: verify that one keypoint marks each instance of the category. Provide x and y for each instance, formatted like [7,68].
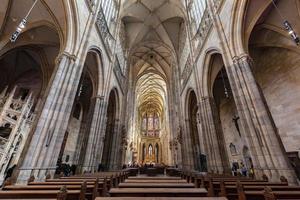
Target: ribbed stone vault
[153,30]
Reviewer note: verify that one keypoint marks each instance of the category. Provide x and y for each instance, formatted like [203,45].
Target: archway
[73,149]
[276,71]
[193,130]
[225,115]
[74,144]
[111,131]
[25,73]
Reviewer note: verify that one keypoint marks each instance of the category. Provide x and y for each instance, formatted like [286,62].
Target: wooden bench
[154,181]
[158,192]
[205,180]
[64,183]
[99,188]
[268,194]
[173,172]
[42,194]
[214,188]
[121,175]
[74,180]
[132,171]
[100,174]
[153,178]
[232,191]
[161,198]
[113,181]
[156,185]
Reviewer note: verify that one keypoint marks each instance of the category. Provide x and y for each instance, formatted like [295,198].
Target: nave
[206,91]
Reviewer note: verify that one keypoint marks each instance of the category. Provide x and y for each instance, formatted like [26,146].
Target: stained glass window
[109,10]
[196,11]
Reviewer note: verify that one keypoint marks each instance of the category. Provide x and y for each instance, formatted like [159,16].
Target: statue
[5,131]
[235,120]
[179,135]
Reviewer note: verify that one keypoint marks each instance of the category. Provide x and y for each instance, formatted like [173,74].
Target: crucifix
[235,120]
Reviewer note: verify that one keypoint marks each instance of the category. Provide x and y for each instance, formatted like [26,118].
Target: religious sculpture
[5,131]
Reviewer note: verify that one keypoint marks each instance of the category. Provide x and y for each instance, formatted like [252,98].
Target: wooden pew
[158,192]
[95,188]
[161,198]
[120,175]
[154,181]
[98,175]
[266,194]
[156,185]
[153,178]
[113,180]
[132,171]
[216,187]
[74,180]
[62,194]
[231,191]
[173,172]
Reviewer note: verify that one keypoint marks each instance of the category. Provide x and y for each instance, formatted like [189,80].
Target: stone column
[200,132]
[188,161]
[81,143]
[178,147]
[116,145]
[45,145]
[90,163]
[212,149]
[102,130]
[266,148]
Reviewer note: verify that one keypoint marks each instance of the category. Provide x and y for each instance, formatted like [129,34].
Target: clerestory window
[196,10]
[109,9]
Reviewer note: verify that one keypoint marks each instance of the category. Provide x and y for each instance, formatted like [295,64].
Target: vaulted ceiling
[153,29]
[46,12]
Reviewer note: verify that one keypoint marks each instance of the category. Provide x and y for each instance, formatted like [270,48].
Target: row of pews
[121,186]
[158,188]
[84,187]
[242,188]
[107,186]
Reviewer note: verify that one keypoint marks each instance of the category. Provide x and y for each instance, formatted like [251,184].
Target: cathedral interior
[207,86]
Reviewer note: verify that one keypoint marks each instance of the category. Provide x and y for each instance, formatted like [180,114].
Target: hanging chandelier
[22,24]
[288,27]
[226,92]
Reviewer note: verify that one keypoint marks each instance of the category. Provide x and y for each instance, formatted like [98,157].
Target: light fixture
[291,32]
[224,84]
[288,27]
[22,24]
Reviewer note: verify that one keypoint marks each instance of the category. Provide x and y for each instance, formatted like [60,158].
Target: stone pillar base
[23,177]
[274,175]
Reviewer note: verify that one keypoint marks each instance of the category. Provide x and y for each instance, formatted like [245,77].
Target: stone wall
[73,130]
[231,135]
[277,71]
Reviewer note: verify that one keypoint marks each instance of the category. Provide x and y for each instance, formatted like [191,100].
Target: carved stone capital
[242,58]
[101,97]
[65,54]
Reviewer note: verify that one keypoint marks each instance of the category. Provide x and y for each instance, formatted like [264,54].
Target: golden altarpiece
[149,144]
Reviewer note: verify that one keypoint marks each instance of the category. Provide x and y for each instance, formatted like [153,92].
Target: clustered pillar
[44,148]
[211,147]
[266,148]
[95,138]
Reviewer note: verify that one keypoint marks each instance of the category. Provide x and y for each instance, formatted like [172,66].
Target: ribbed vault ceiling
[152,29]
[151,93]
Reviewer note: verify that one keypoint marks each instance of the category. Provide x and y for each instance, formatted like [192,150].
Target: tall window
[151,125]
[109,10]
[196,10]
